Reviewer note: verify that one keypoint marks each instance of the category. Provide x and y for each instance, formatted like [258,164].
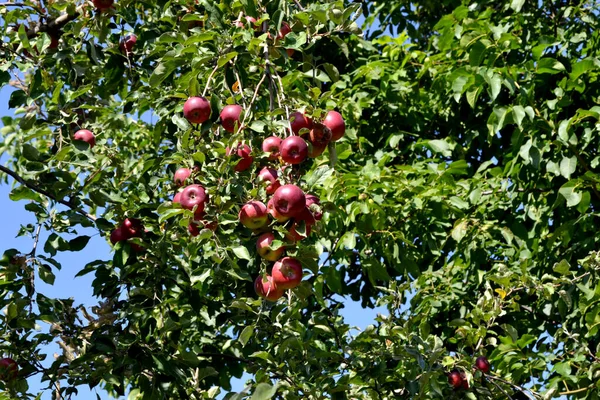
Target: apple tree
[256,164]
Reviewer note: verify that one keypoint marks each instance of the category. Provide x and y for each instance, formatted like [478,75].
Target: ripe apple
[181,175]
[265,288]
[253,214]
[196,110]
[482,364]
[85,136]
[242,151]
[192,196]
[274,213]
[230,116]
[126,45]
[271,145]
[289,200]
[9,369]
[269,175]
[465,381]
[334,121]
[287,273]
[284,30]
[102,5]
[133,227]
[177,197]
[455,379]
[308,219]
[263,247]
[290,52]
[193,229]
[319,134]
[299,121]
[293,150]
[315,210]
[119,234]
[315,150]
[53,42]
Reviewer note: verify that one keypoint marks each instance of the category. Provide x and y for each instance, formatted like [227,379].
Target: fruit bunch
[130,228]
[458,379]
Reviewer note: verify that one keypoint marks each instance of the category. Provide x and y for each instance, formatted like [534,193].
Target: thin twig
[210,79]
[240,87]
[38,189]
[502,390]
[531,393]
[252,100]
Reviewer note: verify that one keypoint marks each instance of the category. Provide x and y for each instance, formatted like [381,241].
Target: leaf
[30,153]
[226,58]
[581,67]
[549,65]
[264,391]
[162,72]
[563,267]
[517,4]
[568,166]
[46,274]
[459,231]
[246,335]
[348,241]
[519,114]
[241,252]
[440,146]
[78,243]
[568,192]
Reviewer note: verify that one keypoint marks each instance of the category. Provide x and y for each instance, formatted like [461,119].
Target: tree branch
[38,189]
[56,23]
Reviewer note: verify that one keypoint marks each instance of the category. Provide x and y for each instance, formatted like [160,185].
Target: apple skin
[193,229]
[271,145]
[274,213]
[102,5]
[309,220]
[310,200]
[284,30]
[177,197]
[263,249]
[193,195]
[230,114]
[455,379]
[315,151]
[242,151]
[319,135]
[253,215]
[133,227]
[85,136]
[127,44]
[334,121]
[299,121]
[119,234]
[482,364]
[181,175]
[53,42]
[9,369]
[269,175]
[265,288]
[196,110]
[289,200]
[293,150]
[287,273]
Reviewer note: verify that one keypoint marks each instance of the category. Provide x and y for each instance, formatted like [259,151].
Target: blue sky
[80,288]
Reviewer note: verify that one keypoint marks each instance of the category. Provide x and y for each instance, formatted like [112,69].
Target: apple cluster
[8,369]
[130,228]
[458,379]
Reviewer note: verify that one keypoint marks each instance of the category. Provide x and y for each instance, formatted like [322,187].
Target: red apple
[465,381]
[181,175]
[230,116]
[196,110]
[177,197]
[319,135]
[299,121]
[193,229]
[308,219]
[85,136]
[263,247]
[455,379]
[315,210]
[212,225]
[271,145]
[482,364]
[192,196]
[334,121]
[293,150]
[287,273]
[290,52]
[242,151]
[265,288]
[253,214]
[269,175]
[274,213]
[133,227]
[53,42]
[119,234]
[289,200]
[284,30]
[9,369]
[315,150]
[102,5]
[126,45]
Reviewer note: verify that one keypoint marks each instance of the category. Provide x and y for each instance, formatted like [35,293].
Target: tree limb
[56,23]
[38,189]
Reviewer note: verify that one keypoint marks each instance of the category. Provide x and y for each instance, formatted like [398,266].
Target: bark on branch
[56,23]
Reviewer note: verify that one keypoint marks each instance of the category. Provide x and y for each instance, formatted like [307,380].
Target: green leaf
[264,391]
[459,231]
[517,4]
[46,274]
[563,267]
[246,334]
[30,153]
[241,252]
[226,58]
[78,243]
[162,71]
[568,192]
[348,241]
[548,65]
[568,165]
[24,193]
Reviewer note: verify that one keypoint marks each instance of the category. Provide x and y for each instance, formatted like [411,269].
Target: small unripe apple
[271,146]
[455,379]
[253,215]
[289,200]
[127,44]
[196,110]
[181,175]
[85,136]
[299,121]
[230,117]
[334,121]
[9,369]
[102,5]
[269,175]
[243,151]
[287,273]
[293,150]
[482,364]
[265,288]
[263,247]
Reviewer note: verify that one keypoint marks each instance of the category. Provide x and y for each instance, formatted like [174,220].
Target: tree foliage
[462,197]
